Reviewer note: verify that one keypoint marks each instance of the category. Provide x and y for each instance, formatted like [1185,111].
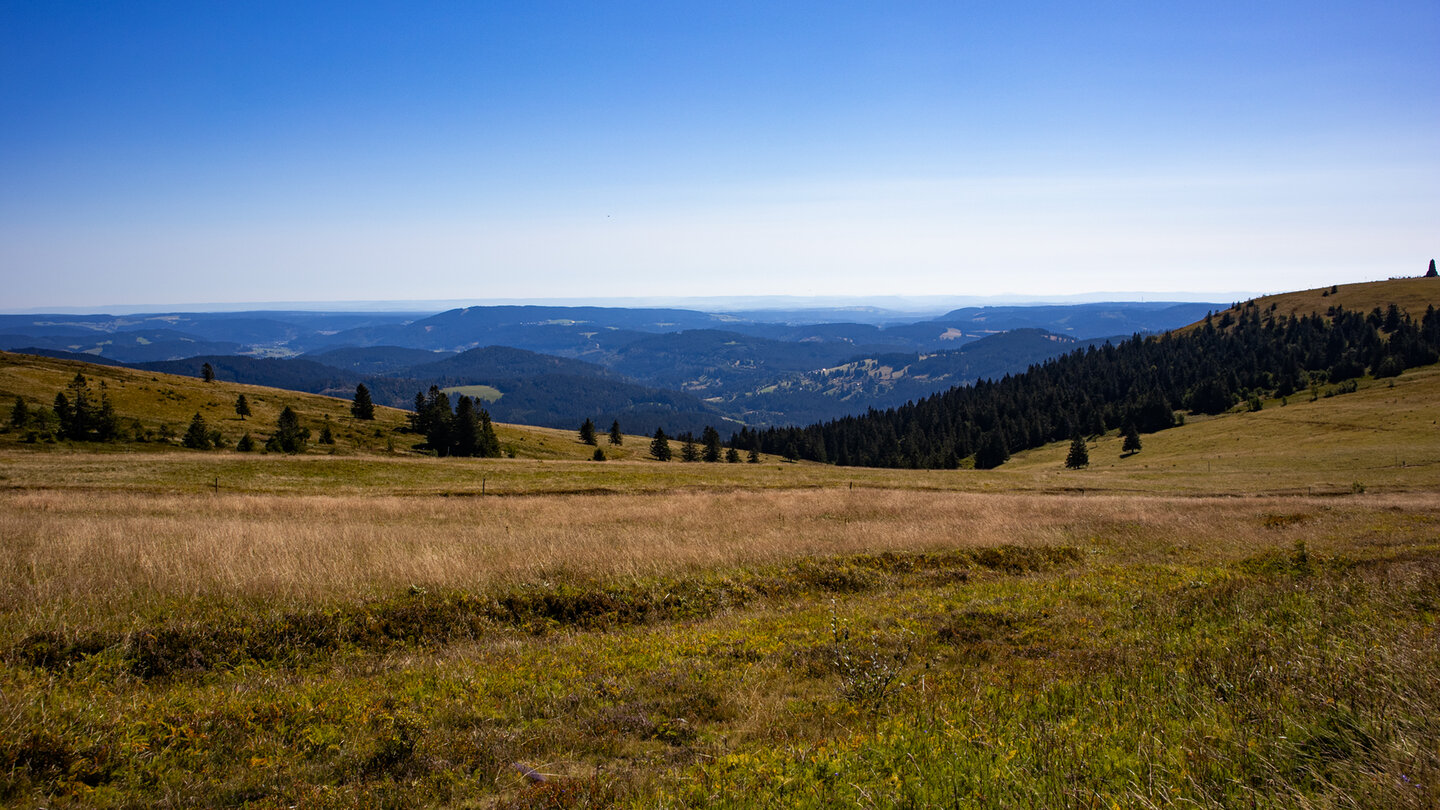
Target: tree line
[1138,385]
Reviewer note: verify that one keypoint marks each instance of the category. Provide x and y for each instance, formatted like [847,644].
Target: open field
[1242,614]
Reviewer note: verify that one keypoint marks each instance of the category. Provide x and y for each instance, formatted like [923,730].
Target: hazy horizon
[900,305]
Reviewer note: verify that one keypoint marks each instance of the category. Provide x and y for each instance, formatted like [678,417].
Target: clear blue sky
[185,152]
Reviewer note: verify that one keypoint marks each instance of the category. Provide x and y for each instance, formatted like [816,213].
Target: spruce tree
[1431,272]
[660,445]
[326,435]
[1132,441]
[246,444]
[599,454]
[710,437]
[753,456]
[242,407]
[197,436]
[362,407]
[732,456]
[289,436]
[1079,455]
[20,414]
[615,437]
[689,451]
[207,373]
[587,432]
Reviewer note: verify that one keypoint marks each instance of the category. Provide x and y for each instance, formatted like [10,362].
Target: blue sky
[168,153]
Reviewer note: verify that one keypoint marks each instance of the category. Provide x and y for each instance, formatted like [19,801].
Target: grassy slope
[1412,295]
[170,401]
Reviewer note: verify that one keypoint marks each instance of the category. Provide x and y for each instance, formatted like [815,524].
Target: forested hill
[1247,351]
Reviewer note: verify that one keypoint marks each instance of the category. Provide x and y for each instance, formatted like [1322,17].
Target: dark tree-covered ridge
[1245,352]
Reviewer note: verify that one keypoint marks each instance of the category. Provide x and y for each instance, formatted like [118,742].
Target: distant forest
[1240,355]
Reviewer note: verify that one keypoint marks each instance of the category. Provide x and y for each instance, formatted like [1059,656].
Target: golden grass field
[1244,613]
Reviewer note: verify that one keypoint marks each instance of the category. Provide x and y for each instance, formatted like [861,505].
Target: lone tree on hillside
[207,373]
[1079,455]
[615,437]
[587,432]
[242,407]
[660,445]
[1132,441]
[362,407]
[20,414]
[197,436]
[1431,272]
[289,436]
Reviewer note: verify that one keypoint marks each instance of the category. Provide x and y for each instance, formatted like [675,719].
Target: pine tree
[246,444]
[660,445]
[689,451]
[242,407]
[289,436]
[599,454]
[20,414]
[615,437]
[754,456]
[1079,455]
[732,456]
[326,436]
[488,445]
[362,407]
[197,436]
[710,437]
[207,373]
[587,432]
[1431,272]
[1132,441]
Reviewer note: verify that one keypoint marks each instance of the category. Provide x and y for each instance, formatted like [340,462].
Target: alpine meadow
[1196,568]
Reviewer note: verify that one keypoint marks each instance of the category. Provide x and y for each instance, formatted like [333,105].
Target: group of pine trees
[464,431]
[77,413]
[708,448]
[1138,385]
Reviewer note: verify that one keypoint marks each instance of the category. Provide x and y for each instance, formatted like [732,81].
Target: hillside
[154,410]
[1246,355]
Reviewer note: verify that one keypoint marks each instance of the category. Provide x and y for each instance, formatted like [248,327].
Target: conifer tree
[710,437]
[197,436]
[732,456]
[587,432]
[993,451]
[615,436]
[660,445]
[326,435]
[689,451]
[289,436]
[362,407]
[599,454]
[20,414]
[1132,440]
[1079,455]
[1431,272]
[754,456]
[207,373]
[246,444]
[242,407]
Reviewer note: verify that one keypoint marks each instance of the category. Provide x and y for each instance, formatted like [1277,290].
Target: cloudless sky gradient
[187,152]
